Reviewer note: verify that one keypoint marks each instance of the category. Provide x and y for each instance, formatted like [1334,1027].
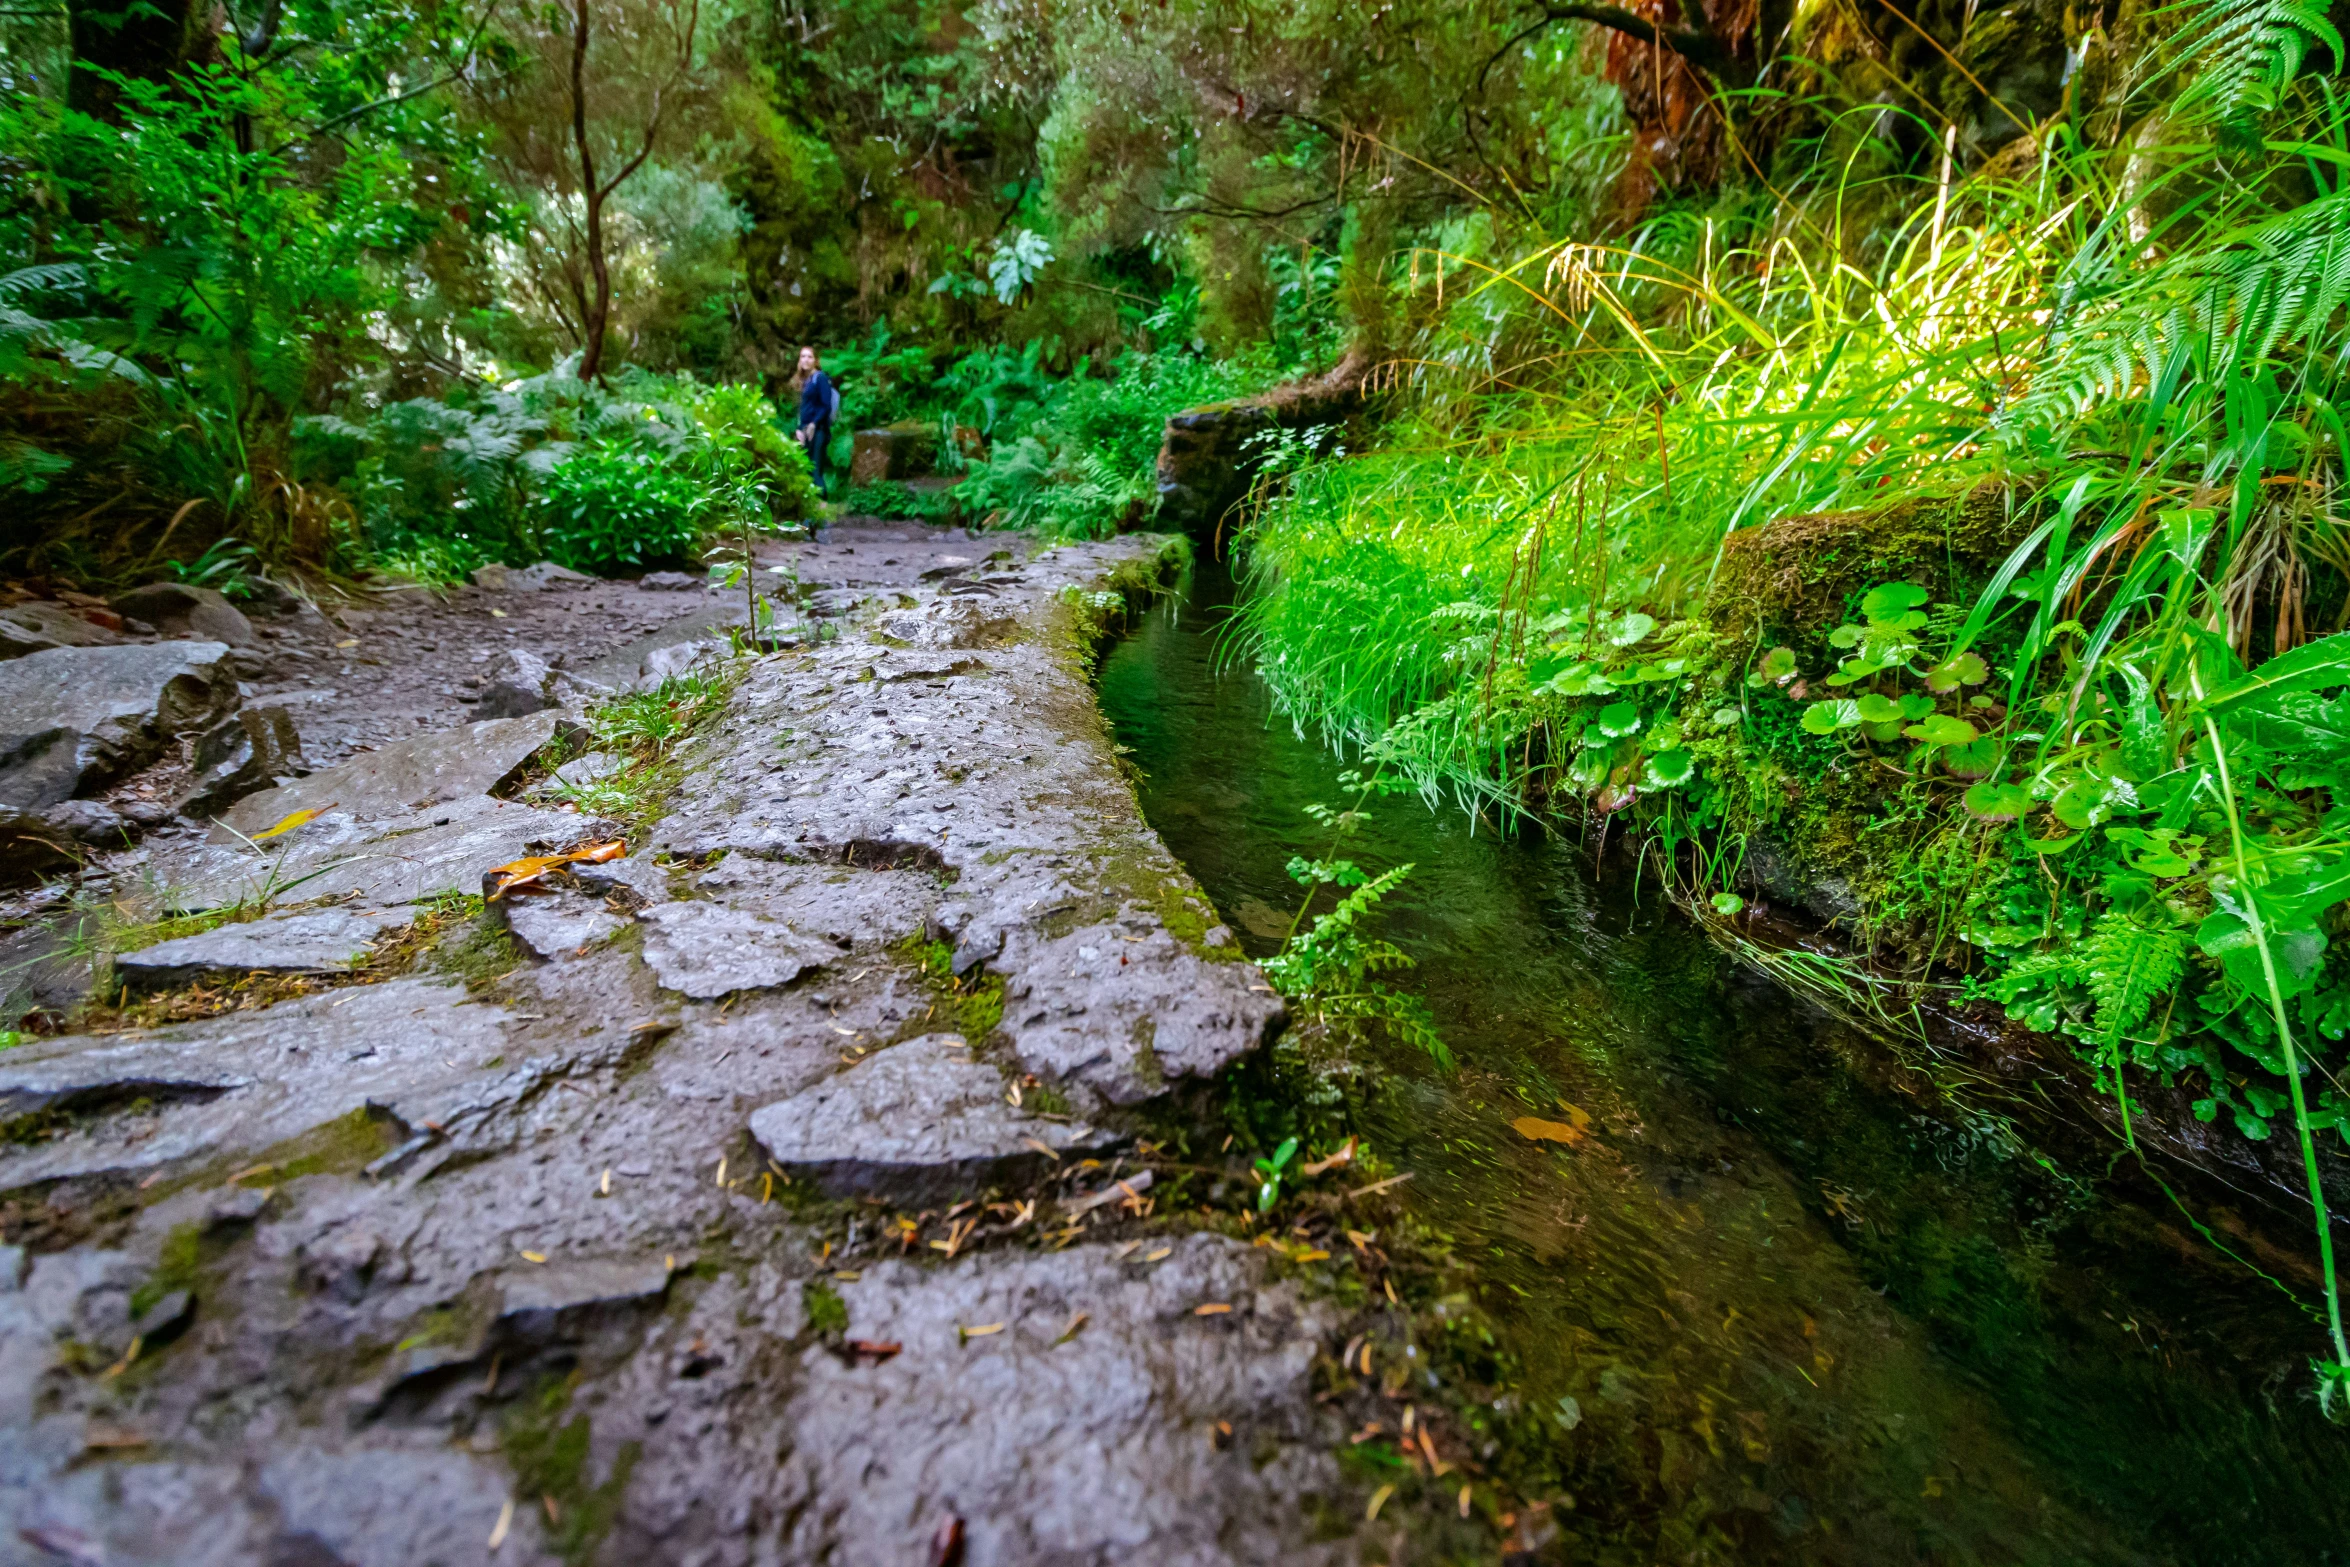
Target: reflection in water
[1775,1310]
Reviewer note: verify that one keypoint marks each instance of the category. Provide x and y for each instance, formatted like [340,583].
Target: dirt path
[783,1190]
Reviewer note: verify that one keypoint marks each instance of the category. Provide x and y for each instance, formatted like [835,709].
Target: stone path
[589,1247]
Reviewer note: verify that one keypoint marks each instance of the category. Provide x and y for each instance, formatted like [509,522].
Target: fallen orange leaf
[1542,1131]
[1212,1309]
[523,872]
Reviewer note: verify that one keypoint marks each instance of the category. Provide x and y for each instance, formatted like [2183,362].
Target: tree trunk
[597,313]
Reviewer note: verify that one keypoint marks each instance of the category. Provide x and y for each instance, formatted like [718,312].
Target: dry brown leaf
[1344,1155]
[876,1350]
[1212,1309]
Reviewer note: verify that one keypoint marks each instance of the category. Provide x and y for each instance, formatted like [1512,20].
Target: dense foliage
[1962,572]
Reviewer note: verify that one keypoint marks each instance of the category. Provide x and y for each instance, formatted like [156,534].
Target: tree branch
[1699,47]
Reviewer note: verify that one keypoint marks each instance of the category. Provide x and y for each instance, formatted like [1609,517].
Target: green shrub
[621,505]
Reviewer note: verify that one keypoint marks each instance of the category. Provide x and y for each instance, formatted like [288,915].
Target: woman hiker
[818,403]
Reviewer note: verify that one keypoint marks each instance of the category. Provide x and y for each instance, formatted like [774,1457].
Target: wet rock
[58,624]
[518,681]
[406,776]
[558,925]
[43,967]
[844,905]
[17,640]
[239,1205]
[592,768]
[948,623]
[988,767]
[546,576]
[1049,1448]
[559,1299]
[33,850]
[88,821]
[73,718]
[383,862]
[411,1050]
[185,612]
[708,950]
[634,879]
[341,1263]
[1209,455]
[1123,1016]
[920,1122]
[254,749]
[315,941]
[15,1263]
[669,582]
[165,1320]
[667,663]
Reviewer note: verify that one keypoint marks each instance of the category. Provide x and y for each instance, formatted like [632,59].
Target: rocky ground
[778,1187]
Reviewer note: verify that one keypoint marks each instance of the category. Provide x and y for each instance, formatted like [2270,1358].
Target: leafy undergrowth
[1976,599]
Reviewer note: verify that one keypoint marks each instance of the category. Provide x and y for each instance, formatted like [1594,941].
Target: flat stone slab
[920,1121]
[1096,1447]
[559,925]
[73,717]
[408,776]
[412,1049]
[708,950]
[378,863]
[543,1301]
[313,941]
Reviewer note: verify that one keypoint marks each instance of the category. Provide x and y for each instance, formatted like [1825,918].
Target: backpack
[832,390]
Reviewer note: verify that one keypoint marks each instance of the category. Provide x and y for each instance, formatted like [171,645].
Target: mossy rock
[1791,580]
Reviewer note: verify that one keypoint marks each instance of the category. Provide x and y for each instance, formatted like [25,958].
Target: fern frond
[2234,302]
[2245,53]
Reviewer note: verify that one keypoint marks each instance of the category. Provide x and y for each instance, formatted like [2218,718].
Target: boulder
[920,1122]
[184,612]
[251,750]
[73,718]
[895,451]
[518,681]
[667,663]
[89,821]
[493,578]
[59,624]
[670,582]
[545,577]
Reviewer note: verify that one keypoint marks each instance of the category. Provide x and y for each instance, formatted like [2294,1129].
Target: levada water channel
[1772,1307]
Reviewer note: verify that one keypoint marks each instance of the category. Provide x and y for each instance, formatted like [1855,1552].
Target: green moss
[827,1313]
[552,1459]
[479,953]
[972,1006]
[176,1268]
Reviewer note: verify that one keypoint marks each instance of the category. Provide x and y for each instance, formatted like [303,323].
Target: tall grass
[2099,765]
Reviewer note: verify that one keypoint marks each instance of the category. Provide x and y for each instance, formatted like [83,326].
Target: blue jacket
[816,400]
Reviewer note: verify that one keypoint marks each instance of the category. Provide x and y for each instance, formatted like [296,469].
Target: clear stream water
[1774,1309]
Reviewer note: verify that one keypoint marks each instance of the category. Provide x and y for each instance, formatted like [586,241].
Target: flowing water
[1773,1308]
